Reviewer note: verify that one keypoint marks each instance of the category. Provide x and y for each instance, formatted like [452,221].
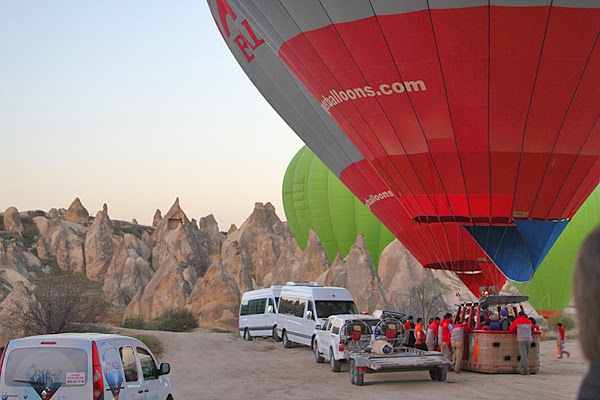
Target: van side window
[337,324]
[327,324]
[310,308]
[149,369]
[129,364]
[272,304]
[244,307]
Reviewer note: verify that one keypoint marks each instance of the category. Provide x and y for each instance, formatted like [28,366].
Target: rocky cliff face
[181,263]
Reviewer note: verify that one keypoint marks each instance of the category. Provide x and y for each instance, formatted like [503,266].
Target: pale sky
[132,103]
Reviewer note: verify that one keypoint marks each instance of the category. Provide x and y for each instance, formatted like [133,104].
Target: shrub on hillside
[174,320]
[133,323]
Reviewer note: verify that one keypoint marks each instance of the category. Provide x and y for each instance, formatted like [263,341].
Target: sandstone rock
[235,263]
[10,308]
[14,263]
[157,217]
[77,212]
[401,274]
[288,266]
[167,289]
[261,238]
[181,239]
[213,238]
[128,272]
[134,221]
[12,221]
[314,260]
[215,298]
[60,242]
[99,246]
[42,224]
[232,229]
[357,274]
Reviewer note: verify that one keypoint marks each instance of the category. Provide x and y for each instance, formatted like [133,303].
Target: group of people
[442,335]
[448,337]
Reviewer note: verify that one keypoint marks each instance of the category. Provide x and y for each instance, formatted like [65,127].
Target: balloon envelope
[480,119]
[313,197]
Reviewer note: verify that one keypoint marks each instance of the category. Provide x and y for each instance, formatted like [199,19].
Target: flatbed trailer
[402,359]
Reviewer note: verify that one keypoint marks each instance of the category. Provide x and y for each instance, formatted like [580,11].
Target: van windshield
[327,308]
[46,367]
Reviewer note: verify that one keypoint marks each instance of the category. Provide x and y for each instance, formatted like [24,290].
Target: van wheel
[318,357]
[275,336]
[287,343]
[442,374]
[247,336]
[169,397]
[336,365]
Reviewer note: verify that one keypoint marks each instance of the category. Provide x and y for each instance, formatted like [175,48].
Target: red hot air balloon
[481,115]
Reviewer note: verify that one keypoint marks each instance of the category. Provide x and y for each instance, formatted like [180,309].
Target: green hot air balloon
[313,197]
[550,288]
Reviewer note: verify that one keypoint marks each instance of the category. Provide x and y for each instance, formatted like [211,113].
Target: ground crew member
[561,341]
[457,338]
[444,335]
[431,340]
[524,329]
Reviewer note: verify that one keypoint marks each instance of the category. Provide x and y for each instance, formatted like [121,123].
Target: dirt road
[223,366]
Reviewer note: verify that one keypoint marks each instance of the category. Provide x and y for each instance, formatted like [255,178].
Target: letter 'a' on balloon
[442,245]
[478,116]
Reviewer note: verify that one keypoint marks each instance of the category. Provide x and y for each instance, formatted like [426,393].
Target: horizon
[133,105]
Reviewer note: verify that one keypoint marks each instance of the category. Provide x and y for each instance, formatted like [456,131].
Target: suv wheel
[336,365]
[318,357]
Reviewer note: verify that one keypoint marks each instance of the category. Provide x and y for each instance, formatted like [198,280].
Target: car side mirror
[165,369]
[270,309]
[309,314]
[319,327]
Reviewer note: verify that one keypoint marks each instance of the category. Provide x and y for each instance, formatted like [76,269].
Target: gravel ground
[207,365]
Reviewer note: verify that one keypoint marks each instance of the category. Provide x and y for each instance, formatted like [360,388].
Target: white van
[303,305]
[82,366]
[258,313]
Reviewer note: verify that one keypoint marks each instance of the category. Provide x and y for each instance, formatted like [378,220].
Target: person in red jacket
[408,325]
[561,341]
[524,329]
[431,339]
[444,335]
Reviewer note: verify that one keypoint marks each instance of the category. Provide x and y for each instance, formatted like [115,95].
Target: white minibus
[303,305]
[258,313]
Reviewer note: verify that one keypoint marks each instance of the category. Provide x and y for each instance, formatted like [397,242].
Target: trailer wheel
[336,365]
[442,374]
[287,343]
[318,357]
[247,336]
[433,374]
[356,378]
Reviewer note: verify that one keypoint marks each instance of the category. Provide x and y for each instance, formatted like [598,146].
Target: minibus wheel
[247,336]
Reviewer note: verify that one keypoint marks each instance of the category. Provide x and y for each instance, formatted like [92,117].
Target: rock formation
[77,212]
[157,217]
[261,238]
[128,272]
[99,246]
[235,263]
[12,221]
[357,274]
[60,242]
[10,308]
[215,299]
[14,265]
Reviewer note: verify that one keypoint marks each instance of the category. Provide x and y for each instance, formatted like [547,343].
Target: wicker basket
[497,352]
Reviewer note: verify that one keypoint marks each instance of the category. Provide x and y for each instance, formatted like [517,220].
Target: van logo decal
[113,370]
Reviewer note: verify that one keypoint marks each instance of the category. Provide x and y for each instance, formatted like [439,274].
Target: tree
[59,303]
[425,299]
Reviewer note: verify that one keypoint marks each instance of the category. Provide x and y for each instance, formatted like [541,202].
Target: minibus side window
[310,308]
[129,364]
[149,369]
[244,307]
[272,304]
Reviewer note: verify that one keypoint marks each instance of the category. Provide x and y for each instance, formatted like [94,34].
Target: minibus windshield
[327,308]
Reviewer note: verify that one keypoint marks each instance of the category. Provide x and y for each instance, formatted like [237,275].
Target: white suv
[341,334]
